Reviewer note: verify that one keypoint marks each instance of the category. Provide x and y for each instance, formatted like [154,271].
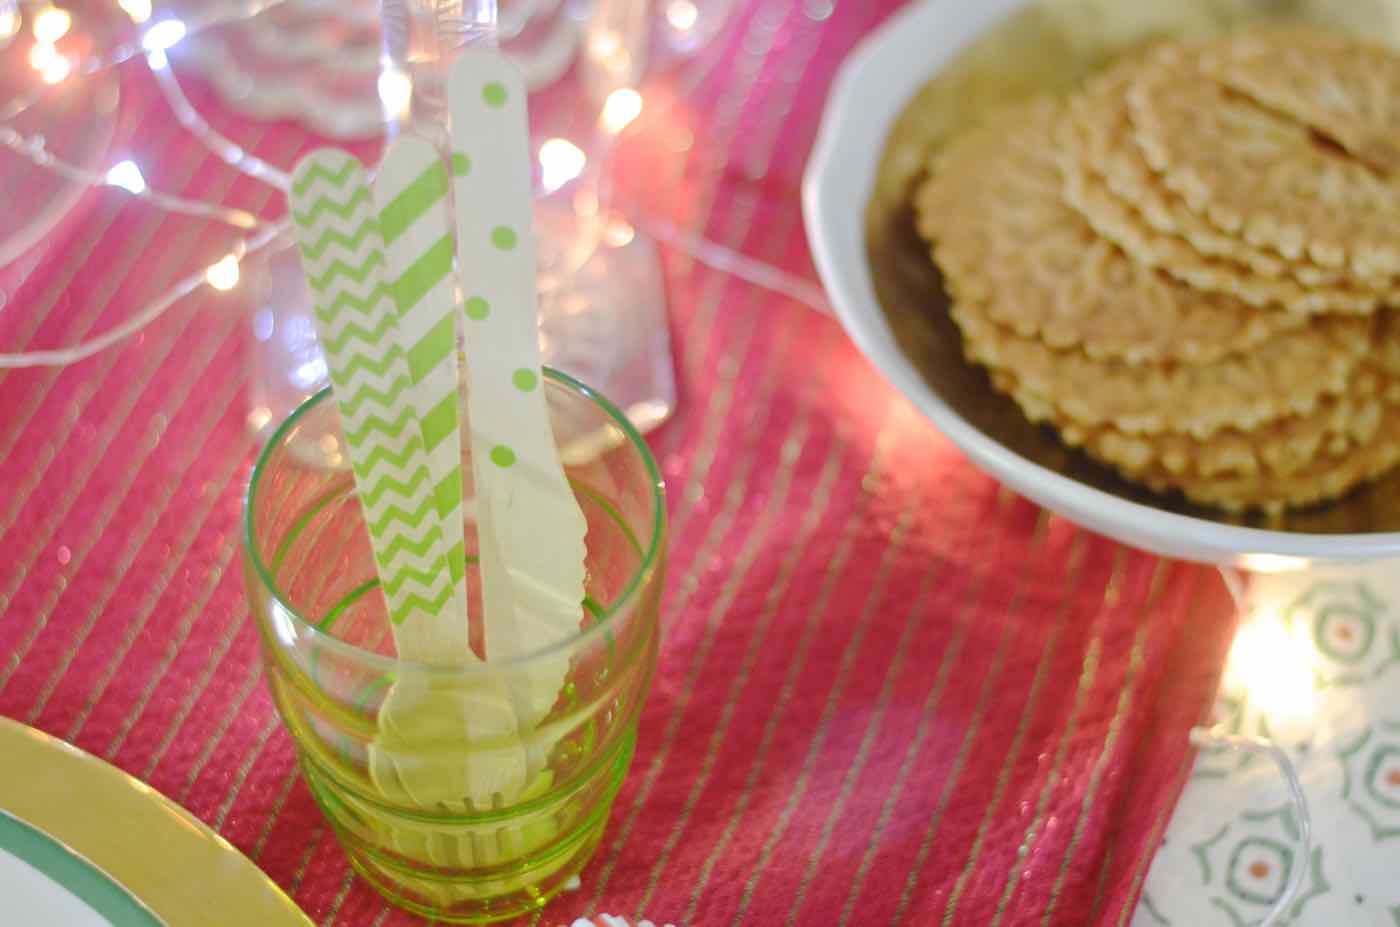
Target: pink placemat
[889,693]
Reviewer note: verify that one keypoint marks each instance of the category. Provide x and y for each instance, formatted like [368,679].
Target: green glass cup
[330,663]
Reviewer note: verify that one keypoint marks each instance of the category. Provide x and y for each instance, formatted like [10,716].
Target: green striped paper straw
[343,255]
[411,191]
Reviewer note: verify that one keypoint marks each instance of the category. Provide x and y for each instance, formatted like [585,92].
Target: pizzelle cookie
[1287,375]
[1114,219]
[1260,175]
[1346,89]
[1286,447]
[1338,424]
[1108,180]
[1326,478]
[1009,245]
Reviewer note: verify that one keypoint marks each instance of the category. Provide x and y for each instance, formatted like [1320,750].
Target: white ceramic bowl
[873,87]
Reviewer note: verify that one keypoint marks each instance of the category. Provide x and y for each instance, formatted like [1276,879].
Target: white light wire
[225,14]
[34,149]
[233,155]
[272,238]
[707,252]
[1218,737]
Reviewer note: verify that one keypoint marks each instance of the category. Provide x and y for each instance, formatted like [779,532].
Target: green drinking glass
[329,659]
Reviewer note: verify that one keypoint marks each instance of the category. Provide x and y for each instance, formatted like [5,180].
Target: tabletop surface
[889,691]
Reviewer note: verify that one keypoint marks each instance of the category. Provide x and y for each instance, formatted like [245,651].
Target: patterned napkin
[1317,670]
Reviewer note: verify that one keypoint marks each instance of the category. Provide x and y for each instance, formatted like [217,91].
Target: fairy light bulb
[138,10]
[9,21]
[560,162]
[1272,665]
[621,110]
[56,71]
[41,55]
[163,35]
[51,24]
[52,66]
[223,275]
[682,15]
[127,175]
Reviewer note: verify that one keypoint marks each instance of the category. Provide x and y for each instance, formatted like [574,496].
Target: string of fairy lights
[561,161]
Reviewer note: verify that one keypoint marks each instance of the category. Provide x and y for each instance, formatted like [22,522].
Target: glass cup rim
[635,583]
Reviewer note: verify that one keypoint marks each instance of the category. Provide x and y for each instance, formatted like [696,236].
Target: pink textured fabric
[890,692]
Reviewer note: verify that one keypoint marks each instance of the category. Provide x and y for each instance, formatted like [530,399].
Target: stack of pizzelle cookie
[1187,268]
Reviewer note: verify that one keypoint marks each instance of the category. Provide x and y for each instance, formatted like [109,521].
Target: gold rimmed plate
[85,845]
[886,116]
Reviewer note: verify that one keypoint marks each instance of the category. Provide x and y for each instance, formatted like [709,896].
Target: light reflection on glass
[263,324]
[259,417]
[310,374]
[620,234]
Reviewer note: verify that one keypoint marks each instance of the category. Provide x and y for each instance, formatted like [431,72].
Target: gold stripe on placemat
[736,493]
[867,741]
[1159,826]
[735,100]
[96,523]
[1088,672]
[318,836]
[754,544]
[1073,577]
[717,421]
[39,308]
[814,619]
[211,743]
[974,724]
[274,812]
[245,768]
[722,128]
[1115,727]
[222,558]
[933,700]
[815,513]
[138,534]
[830,576]
[339,899]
